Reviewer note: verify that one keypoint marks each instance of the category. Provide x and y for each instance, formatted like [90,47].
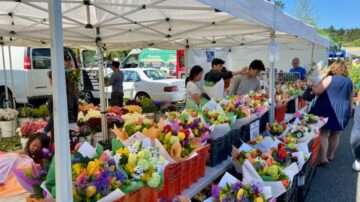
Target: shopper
[34,146]
[355,138]
[247,82]
[298,69]
[67,63]
[335,99]
[116,81]
[72,104]
[193,92]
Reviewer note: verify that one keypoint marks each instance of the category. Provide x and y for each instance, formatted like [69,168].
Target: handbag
[308,95]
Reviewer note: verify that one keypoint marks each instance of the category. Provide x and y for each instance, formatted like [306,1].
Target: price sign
[254,130]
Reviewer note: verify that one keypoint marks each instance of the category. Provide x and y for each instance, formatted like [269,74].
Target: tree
[305,12]
[279,4]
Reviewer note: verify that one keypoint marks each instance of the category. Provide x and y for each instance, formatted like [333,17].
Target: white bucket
[23,141]
[8,128]
[95,138]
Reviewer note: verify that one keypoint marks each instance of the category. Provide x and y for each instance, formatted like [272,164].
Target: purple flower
[236,186]
[43,172]
[255,185]
[75,160]
[205,137]
[215,192]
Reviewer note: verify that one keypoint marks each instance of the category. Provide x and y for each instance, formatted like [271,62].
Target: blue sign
[210,55]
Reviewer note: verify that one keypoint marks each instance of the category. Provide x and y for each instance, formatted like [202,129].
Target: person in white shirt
[193,92]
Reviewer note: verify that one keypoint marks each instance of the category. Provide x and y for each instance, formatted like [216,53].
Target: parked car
[151,83]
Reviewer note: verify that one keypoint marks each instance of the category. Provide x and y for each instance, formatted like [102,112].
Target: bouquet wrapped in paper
[214,90]
[141,161]
[231,189]
[133,122]
[317,73]
[220,123]
[257,165]
[95,176]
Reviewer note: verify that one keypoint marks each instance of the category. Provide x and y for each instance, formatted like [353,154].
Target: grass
[9,144]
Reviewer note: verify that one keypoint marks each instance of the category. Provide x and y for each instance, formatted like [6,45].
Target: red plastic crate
[203,154]
[143,194]
[172,182]
[280,113]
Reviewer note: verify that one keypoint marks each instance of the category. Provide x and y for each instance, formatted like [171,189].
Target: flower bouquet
[261,166]
[213,114]
[133,109]
[95,176]
[283,156]
[199,129]
[167,107]
[309,119]
[92,119]
[177,141]
[231,189]
[114,120]
[317,73]
[142,162]
[133,122]
[85,107]
[31,127]
[8,114]
[276,129]
[116,110]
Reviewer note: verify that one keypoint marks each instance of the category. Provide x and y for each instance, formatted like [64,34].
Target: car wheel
[3,103]
[87,97]
[141,96]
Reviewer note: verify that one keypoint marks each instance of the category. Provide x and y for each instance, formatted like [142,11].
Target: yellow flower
[76,169]
[167,137]
[90,191]
[132,159]
[259,199]
[93,165]
[181,136]
[123,151]
[129,168]
[240,194]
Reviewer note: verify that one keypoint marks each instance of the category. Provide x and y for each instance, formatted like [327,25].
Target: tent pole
[12,78]
[272,82]
[186,62]
[5,77]
[312,52]
[61,127]
[100,59]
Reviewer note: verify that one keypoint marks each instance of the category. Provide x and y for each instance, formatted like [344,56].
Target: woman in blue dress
[335,99]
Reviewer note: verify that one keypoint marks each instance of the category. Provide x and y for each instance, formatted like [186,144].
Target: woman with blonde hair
[335,99]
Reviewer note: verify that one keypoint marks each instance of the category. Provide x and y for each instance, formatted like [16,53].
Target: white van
[30,67]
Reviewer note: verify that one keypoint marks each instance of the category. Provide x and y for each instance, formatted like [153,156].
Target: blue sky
[340,14]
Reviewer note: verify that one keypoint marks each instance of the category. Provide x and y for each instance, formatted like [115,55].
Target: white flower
[8,114]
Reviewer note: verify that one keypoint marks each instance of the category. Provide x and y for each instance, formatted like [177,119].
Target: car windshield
[154,74]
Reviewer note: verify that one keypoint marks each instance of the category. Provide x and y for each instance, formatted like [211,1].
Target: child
[35,145]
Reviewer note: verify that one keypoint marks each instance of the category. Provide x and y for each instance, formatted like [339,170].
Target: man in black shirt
[219,72]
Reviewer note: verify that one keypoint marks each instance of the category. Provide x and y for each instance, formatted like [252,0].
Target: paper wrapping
[215,91]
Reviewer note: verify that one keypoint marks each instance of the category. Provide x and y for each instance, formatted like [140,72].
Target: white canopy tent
[124,24]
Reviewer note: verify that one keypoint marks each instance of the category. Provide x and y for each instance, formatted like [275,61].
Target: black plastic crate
[291,106]
[264,120]
[291,194]
[221,148]
[217,151]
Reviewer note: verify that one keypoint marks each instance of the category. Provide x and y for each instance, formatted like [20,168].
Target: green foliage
[42,112]
[25,112]
[305,12]
[148,105]
[343,37]
[354,74]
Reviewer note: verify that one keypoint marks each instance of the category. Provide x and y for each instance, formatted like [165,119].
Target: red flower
[167,128]
[187,133]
